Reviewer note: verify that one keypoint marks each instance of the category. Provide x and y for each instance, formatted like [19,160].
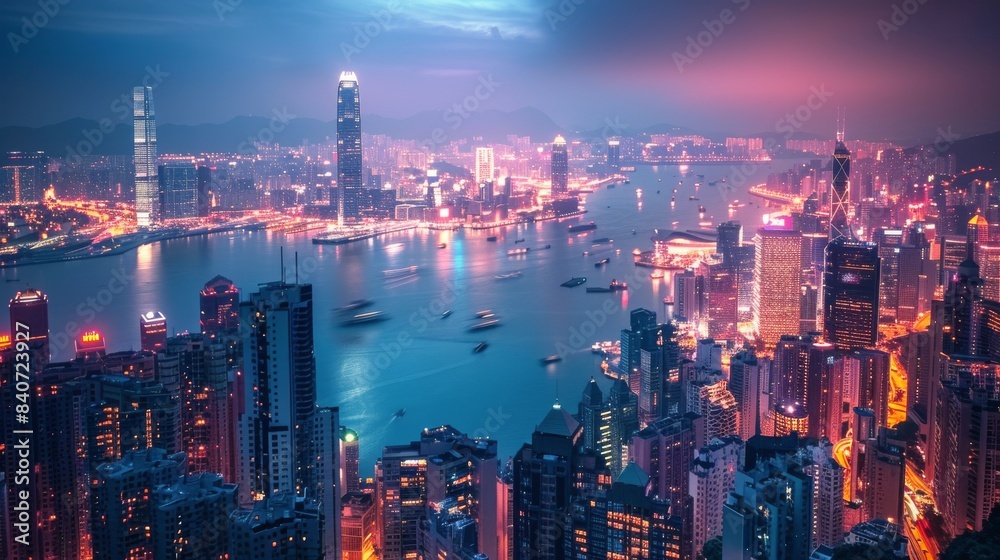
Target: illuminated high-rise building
[628,523]
[29,320]
[977,234]
[279,399]
[840,188]
[152,331]
[851,293]
[144,153]
[884,469]
[560,166]
[553,477]
[325,485]
[665,449]
[776,306]
[350,453]
[178,194]
[281,527]
[349,159]
[358,527]
[614,158]
[220,306]
[484,165]
[203,379]
[712,476]
[90,345]
[595,418]
[121,513]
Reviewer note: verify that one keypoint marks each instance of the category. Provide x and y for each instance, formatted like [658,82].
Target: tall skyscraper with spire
[144,138]
[349,163]
[840,191]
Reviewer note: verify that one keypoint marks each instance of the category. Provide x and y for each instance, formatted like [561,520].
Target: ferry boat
[602,262]
[484,313]
[521,251]
[369,317]
[442,245]
[480,347]
[398,272]
[446,314]
[582,227]
[551,359]
[701,209]
[602,241]
[489,324]
[574,282]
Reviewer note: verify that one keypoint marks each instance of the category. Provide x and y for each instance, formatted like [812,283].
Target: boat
[602,241]
[521,251]
[582,227]
[397,272]
[369,317]
[574,282]
[480,347]
[656,274]
[446,314]
[674,223]
[442,245]
[615,286]
[705,224]
[637,251]
[489,324]
[692,197]
[701,209]
[516,241]
[484,313]
[491,238]
[399,413]
[612,185]
[551,359]
[627,181]
[711,183]
[602,262]
[355,304]
[633,232]
[508,275]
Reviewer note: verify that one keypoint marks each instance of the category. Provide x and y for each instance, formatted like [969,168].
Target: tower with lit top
[349,162]
[840,189]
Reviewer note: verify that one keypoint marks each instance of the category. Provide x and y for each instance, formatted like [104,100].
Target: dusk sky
[582,63]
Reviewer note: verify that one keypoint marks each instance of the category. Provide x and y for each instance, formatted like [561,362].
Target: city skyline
[476,334]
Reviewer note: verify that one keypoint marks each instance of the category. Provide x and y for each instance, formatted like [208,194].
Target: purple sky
[580,61]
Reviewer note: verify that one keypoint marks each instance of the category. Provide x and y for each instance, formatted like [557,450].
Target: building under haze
[560,166]
[144,128]
[179,189]
[349,161]
[220,306]
[484,165]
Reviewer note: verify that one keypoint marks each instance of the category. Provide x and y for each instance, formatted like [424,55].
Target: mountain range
[85,136]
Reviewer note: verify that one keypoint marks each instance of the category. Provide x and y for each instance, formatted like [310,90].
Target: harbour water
[414,359]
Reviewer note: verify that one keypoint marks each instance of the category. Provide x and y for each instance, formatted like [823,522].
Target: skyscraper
[121,511]
[484,165]
[712,476]
[144,127]
[614,158]
[349,160]
[551,474]
[152,331]
[349,455]
[220,302]
[851,293]
[279,397]
[840,187]
[560,166]
[777,285]
[29,319]
[178,190]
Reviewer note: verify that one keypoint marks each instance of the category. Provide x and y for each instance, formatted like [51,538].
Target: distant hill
[238,134]
[974,151]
